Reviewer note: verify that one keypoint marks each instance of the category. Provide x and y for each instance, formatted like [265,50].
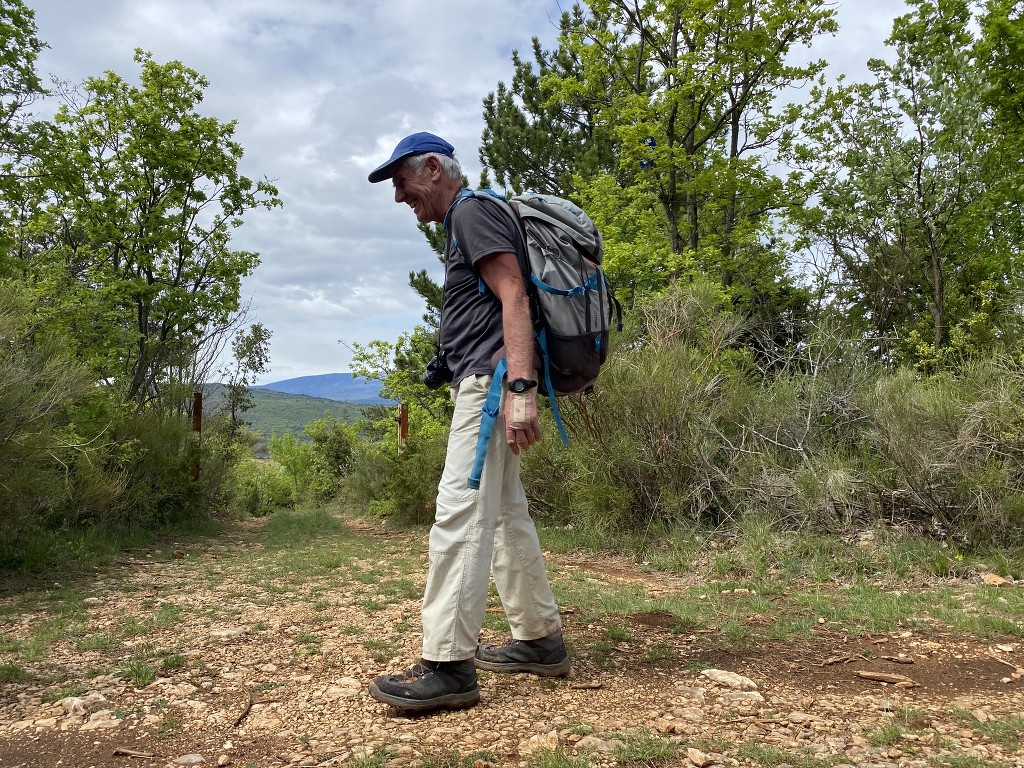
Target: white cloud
[322,90]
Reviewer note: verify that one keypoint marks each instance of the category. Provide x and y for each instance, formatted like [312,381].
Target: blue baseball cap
[416,144]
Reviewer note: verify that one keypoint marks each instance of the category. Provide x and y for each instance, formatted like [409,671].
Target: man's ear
[433,166]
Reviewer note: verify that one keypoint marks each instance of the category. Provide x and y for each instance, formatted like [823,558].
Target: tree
[142,196]
[251,352]
[19,83]
[535,141]
[19,87]
[684,93]
[913,184]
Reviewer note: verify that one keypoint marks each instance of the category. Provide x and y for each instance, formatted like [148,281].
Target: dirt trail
[264,661]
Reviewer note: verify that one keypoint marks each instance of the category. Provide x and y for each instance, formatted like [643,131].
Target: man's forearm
[518,328]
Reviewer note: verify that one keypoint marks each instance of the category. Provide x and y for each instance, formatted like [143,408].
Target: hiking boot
[546,657]
[429,685]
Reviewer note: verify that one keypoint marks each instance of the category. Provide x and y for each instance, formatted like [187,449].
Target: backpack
[572,303]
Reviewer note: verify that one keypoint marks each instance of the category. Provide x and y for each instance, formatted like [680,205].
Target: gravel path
[262,656]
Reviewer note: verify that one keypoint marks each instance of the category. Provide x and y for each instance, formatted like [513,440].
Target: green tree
[19,88]
[913,189]
[142,196]
[297,459]
[535,141]
[688,92]
[251,353]
[39,383]
[19,83]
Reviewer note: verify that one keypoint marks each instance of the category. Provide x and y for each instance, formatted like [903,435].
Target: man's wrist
[520,386]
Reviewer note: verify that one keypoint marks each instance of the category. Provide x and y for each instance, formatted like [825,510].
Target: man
[476,532]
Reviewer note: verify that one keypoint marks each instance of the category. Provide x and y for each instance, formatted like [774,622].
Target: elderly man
[485,315]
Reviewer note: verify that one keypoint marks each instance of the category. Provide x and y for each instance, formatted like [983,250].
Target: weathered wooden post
[403,425]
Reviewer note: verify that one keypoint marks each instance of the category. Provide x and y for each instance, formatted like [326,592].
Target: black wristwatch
[521,385]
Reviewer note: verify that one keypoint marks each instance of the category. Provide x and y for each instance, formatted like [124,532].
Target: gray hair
[449,165]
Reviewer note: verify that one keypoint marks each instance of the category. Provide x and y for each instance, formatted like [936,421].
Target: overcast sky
[322,90]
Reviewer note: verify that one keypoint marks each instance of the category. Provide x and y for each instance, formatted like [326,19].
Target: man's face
[418,190]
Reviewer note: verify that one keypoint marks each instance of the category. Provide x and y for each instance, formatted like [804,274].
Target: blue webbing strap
[590,285]
[490,410]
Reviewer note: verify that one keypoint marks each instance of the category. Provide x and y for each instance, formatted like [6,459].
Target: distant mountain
[345,387]
[281,413]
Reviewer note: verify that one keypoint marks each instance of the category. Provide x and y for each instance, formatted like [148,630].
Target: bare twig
[245,711]
[125,752]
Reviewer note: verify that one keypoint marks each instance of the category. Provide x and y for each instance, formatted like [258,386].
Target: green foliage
[955,447]
[297,460]
[914,179]
[687,95]
[117,288]
[19,83]
[260,486]
[333,443]
[142,196]
[74,457]
[251,351]
[534,141]
[682,429]
[400,367]
[401,484]
[39,382]
[657,441]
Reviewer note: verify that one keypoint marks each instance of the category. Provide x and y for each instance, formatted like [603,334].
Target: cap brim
[385,171]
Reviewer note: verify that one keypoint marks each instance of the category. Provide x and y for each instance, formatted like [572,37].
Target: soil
[252,681]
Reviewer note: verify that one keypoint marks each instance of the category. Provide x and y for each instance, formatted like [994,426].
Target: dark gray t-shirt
[471,328]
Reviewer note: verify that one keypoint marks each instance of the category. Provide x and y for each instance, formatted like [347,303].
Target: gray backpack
[572,302]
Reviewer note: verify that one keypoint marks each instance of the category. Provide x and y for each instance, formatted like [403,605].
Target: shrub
[954,450]
[401,484]
[657,441]
[260,486]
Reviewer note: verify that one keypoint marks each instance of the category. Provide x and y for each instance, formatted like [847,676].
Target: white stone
[538,742]
[730,679]
[594,744]
[694,694]
[101,720]
[699,758]
[690,714]
[229,633]
[742,697]
[73,705]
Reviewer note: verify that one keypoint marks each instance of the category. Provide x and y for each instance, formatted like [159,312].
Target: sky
[321,91]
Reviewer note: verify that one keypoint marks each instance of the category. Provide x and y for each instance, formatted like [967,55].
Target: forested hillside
[822,283]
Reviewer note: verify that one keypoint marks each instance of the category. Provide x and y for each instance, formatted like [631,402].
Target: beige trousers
[479,532]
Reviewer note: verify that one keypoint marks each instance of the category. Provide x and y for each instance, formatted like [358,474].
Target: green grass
[173,661]
[99,642]
[167,615]
[761,754]
[12,673]
[138,673]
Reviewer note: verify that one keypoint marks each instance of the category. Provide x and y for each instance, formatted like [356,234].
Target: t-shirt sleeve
[481,229]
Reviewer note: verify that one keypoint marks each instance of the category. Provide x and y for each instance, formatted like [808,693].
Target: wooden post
[197,427]
[403,425]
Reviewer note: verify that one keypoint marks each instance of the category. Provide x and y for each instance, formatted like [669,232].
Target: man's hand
[522,425]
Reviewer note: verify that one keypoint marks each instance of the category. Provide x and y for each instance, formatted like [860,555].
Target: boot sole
[448,701]
[560,669]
